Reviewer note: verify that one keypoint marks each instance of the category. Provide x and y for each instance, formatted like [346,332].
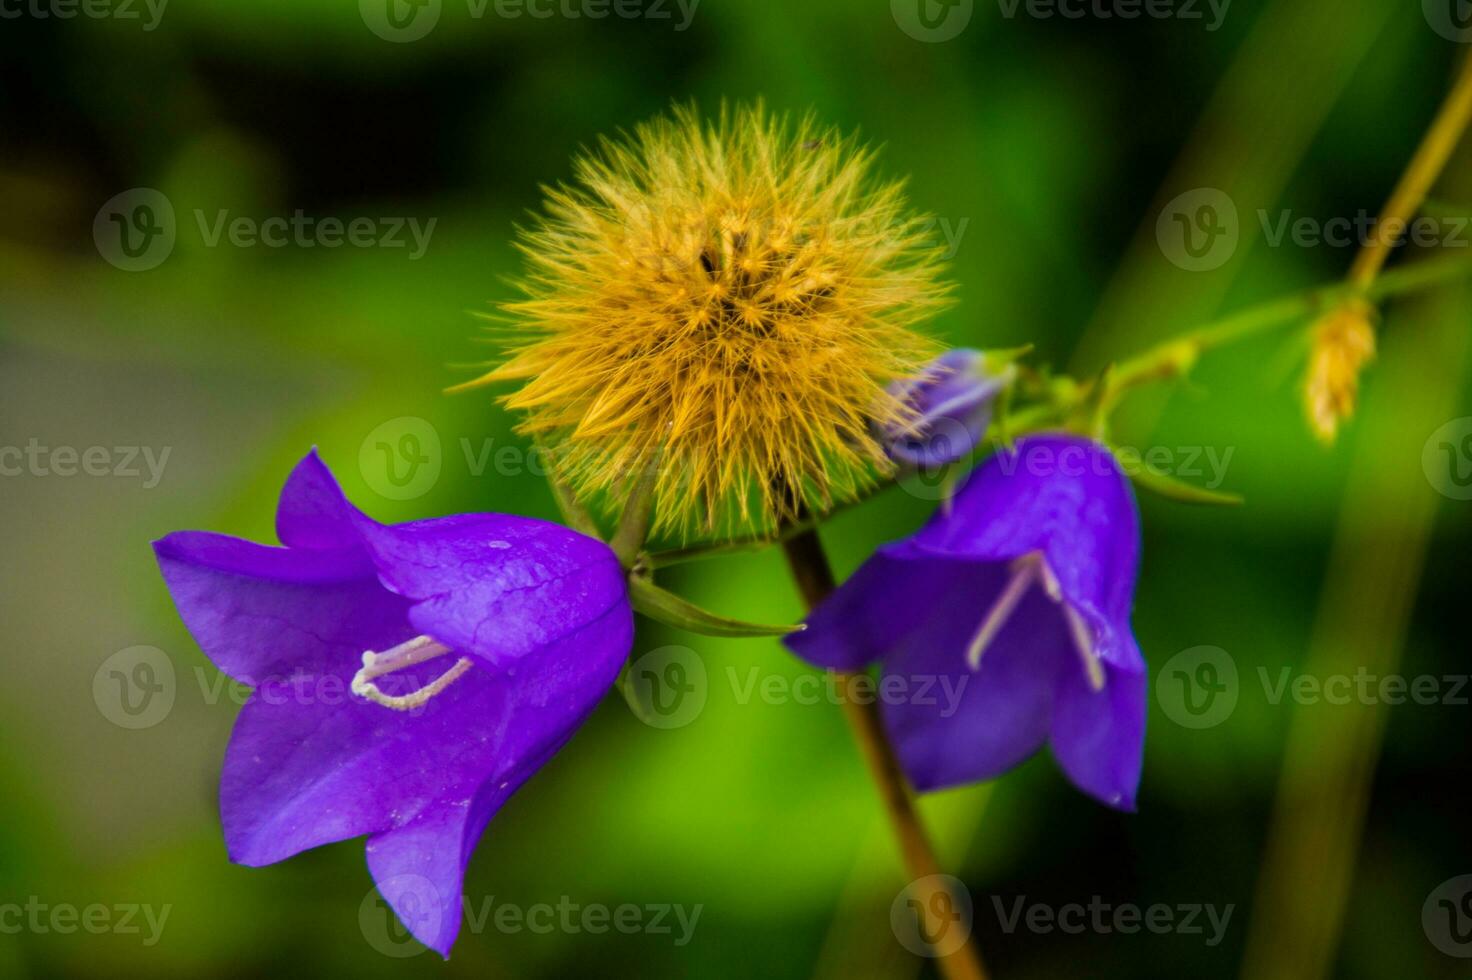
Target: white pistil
[1028,569]
[405,655]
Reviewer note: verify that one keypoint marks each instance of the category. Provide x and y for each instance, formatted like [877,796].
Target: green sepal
[574,514]
[1149,478]
[1004,359]
[665,607]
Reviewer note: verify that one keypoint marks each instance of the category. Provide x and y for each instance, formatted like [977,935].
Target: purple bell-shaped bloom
[952,401]
[1017,595]
[408,678]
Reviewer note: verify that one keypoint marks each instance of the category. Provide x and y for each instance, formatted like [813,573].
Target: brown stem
[814,579]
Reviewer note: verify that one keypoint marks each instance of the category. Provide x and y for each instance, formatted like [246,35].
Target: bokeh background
[1050,146]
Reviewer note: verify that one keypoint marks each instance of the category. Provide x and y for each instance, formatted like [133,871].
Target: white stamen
[1024,573]
[1078,628]
[1030,568]
[1083,641]
[406,654]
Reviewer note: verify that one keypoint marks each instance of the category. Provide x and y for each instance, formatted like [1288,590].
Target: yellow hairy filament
[729,297]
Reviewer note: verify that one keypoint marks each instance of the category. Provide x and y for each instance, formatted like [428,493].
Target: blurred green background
[1050,144]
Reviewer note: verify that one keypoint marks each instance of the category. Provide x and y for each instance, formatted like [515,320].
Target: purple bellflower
[1018,595]
[408,678]
[952,401]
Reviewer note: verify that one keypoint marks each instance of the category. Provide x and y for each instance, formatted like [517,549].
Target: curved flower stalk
[408,678]
[1018,596]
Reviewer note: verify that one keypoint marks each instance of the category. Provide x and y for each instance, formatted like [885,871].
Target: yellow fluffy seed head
[1343,343]
[730,297]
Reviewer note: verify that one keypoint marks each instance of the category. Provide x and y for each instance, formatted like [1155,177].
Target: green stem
[633,524]
[760,542]
[1175,356]
[1169,359]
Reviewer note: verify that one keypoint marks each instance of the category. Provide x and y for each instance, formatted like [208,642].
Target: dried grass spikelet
[730,296]
[1343,343]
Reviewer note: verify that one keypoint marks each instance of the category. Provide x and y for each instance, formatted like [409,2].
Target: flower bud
[1343,342]
[950,406]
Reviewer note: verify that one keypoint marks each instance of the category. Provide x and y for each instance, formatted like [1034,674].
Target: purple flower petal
[497,586]
[956,725]
[310,764]
[261,612]
[312,511]
[1061,665]
[887,599]
[539,611]
[1066,497]
[1098,737]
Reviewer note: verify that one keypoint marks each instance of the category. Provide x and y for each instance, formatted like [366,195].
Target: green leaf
[668,608]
